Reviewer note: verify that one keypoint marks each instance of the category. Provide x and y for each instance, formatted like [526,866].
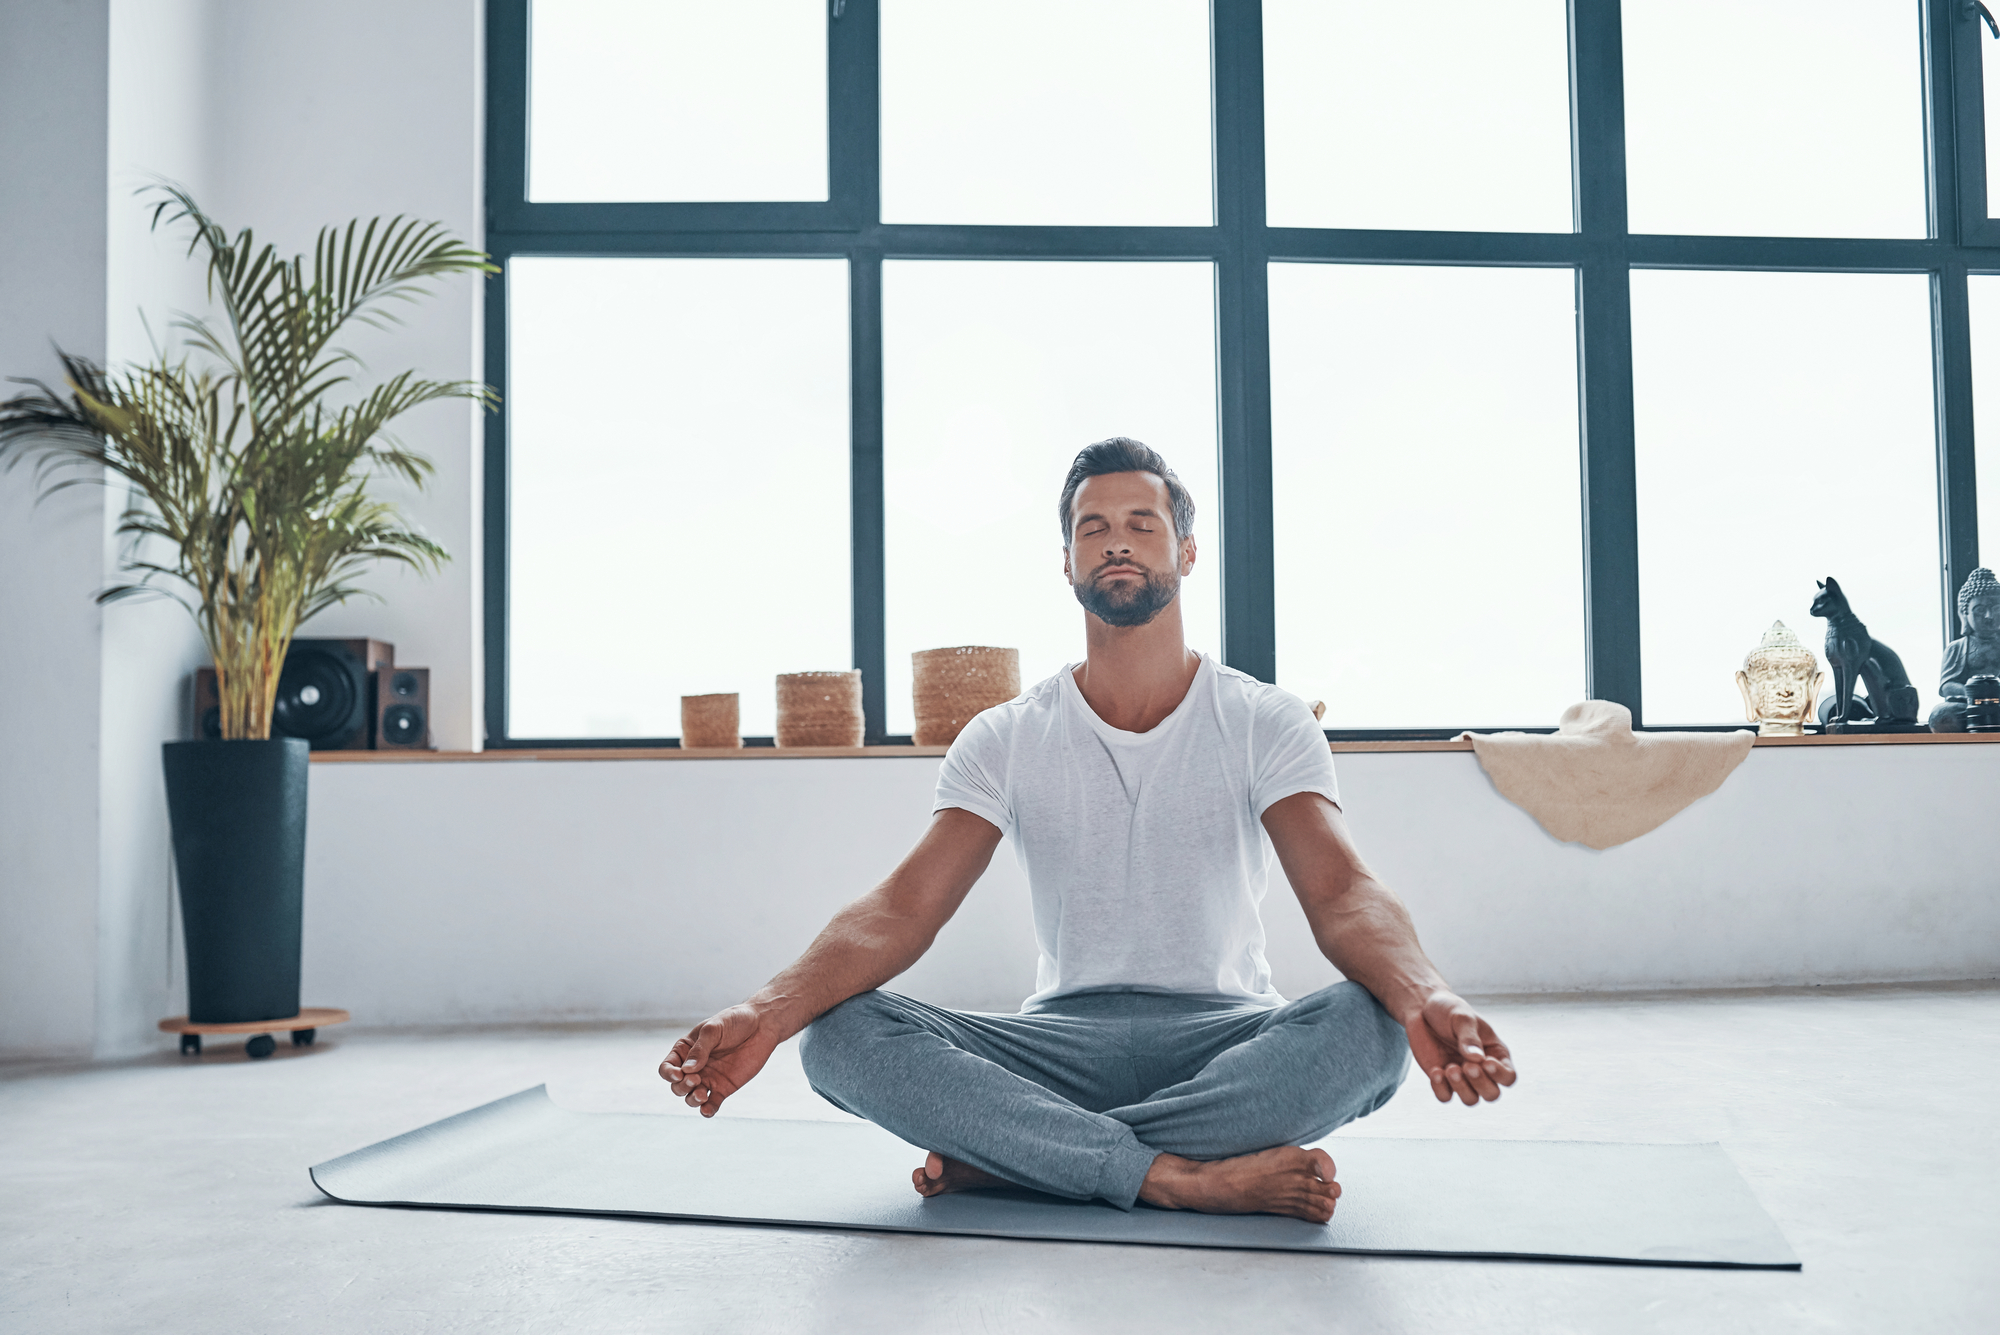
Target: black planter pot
[239,821]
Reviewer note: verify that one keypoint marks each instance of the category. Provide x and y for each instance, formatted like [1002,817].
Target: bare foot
[939,1175]
[1286,1180]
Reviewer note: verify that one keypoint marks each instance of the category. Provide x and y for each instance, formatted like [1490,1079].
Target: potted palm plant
[249,454]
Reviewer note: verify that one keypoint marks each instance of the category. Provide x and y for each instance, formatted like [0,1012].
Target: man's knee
[1360,1037]
[837,1042]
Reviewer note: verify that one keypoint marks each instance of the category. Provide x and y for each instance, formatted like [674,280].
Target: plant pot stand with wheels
[303,1027]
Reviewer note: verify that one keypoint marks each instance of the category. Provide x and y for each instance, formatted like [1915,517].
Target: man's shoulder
[1260,699]
[1001,722]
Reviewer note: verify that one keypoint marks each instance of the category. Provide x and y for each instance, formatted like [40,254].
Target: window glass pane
[1989,67]
[1984,290]
[1425,493]
[1768,118]
[1784,434]
[678,488]
[638,100]
[1046,112]
[1408,116]
[995,375]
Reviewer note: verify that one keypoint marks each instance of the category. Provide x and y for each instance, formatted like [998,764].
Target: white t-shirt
[1145,853]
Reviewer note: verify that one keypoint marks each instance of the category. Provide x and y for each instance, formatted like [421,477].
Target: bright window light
[1450,118]
[1762,118]
[995,375]
[674,100]
[1425,503]
[1046,112]
[1784,434]
[679,488]
[1984,291]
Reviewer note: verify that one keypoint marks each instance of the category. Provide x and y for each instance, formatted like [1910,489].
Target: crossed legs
[1118,1096]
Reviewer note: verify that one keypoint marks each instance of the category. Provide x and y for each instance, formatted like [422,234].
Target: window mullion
[1604,356]
[1243,341]
[1955,134]
[854,179]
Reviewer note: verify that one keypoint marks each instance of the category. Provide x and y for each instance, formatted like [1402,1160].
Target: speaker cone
[322,696]
[403,724]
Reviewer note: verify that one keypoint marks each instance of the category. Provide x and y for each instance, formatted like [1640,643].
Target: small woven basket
[819,708]
[709,721]
[951,685]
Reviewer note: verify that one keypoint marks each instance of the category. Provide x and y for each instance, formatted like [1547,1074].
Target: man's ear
[1066,571]
[1187,556]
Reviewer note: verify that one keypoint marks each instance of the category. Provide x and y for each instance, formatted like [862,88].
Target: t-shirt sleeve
[1288,753]
[974,775]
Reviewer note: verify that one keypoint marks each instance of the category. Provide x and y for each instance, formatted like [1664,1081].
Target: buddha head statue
[1979,605]
[1779,680]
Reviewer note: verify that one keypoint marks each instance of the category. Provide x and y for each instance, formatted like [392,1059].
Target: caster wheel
[190,1045]
[303,1038]
[261,1047]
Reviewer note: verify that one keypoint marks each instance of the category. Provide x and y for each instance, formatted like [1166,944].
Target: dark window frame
[1601,251]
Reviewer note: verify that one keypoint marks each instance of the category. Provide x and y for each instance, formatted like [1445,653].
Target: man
[1144,790]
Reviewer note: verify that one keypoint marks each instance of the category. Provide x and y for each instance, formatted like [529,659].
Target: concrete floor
[171,1195]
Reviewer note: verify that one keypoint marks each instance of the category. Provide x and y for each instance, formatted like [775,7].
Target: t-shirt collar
[1203,675]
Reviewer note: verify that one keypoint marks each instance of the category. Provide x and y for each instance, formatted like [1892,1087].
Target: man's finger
[1438,1085]
[699,1044]
[1456,1075]
[1465,1031]
[1482,1083]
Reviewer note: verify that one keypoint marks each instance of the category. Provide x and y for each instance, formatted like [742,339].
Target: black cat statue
[1859,659]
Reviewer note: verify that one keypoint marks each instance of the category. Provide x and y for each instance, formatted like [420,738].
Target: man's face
[1123,562]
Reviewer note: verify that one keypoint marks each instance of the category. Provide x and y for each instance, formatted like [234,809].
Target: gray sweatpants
[1078,1097]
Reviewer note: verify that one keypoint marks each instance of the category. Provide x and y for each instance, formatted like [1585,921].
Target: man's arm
[869,942]
[1364,929]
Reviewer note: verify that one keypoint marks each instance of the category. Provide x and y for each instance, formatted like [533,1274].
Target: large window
[1513,354]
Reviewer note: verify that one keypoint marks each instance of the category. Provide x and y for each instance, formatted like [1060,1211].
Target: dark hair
[1121,454]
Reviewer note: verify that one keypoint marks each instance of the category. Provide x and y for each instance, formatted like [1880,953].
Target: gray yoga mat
[1677,1205]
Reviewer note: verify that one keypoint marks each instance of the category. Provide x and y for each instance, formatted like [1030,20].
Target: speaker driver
[322,696]
[402,725]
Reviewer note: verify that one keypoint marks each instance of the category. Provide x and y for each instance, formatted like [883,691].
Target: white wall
[160,79]
[52,289]
[451,893]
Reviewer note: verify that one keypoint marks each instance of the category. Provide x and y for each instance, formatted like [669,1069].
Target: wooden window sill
[510,755]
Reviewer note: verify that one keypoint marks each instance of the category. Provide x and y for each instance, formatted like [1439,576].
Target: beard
[1128,604]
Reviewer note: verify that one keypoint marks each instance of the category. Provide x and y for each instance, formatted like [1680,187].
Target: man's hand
[1458,1050]
[718,1057]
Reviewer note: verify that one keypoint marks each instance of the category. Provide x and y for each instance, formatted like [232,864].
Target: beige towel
[1597,782]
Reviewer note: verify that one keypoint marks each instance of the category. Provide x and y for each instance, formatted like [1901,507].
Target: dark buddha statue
[1975,653]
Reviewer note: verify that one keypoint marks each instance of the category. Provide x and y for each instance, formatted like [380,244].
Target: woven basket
[951,685]
[709,721]
[819,708]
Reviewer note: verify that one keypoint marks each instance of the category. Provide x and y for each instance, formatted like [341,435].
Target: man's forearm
[1368,935]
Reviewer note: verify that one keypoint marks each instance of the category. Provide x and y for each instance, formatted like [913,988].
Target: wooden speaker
[326,694]
[402,709]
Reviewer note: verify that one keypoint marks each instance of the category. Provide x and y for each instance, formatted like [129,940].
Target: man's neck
[1132,677]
